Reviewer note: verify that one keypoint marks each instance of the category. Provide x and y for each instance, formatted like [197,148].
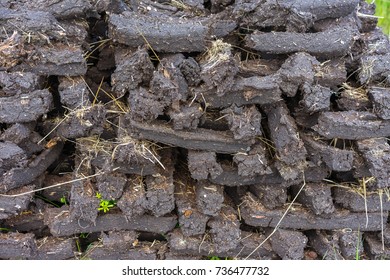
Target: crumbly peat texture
[169,130]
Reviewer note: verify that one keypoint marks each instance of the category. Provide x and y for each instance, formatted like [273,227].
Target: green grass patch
[383,11]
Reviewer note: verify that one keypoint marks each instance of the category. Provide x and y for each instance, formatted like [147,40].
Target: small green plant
[78,245]
[84,235]
[63,200]
[357,255]
[216,258]
[4,229]
[105,205]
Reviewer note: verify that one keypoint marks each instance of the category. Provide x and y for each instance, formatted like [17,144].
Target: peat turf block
[377,155]
[334,158]
[244,122]
[297,70]
[60,9]
[20,176]
[317,197]
[125,164]
[12,206]
[203,164]
[326,245]
[218,68]
[23,136]
[133,200]
[296,16]
[199,139]
[245,90]
[253,163]
[119,239]
[315,98]
[284,134]
[380,98]
[352,125]
[326,44]
[16,83]
[28,222]
[17,246]
[225,229]
[288,244]
[73,92]
[198,122]
[62,60]
[122,245]
[352,99]
[386,235]
[160,190]
[40,25]
[129,156]
[351,244]
[186,116]
[331,74]
[61,224]
[164,34]
[374,248]
[84,204]
[354,200]
[230,177]
[144,105]
[270,195]
[191,220]
[136,65]
[209,197]
[255,214]
[25,107]
[11,155]
[170,67]
[201,245]
[375,68]
[142,251]
[82,122]
[111,185]
[55,248]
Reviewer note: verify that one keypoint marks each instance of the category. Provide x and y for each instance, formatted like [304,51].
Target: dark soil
[152,130]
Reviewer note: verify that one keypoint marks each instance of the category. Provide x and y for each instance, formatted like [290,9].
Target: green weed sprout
[84,235]
[216,258]
[63,200]
[105,205]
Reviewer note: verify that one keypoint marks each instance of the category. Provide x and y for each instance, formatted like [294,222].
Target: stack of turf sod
[189,129]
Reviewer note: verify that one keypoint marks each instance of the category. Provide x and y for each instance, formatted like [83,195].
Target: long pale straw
[52,186]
